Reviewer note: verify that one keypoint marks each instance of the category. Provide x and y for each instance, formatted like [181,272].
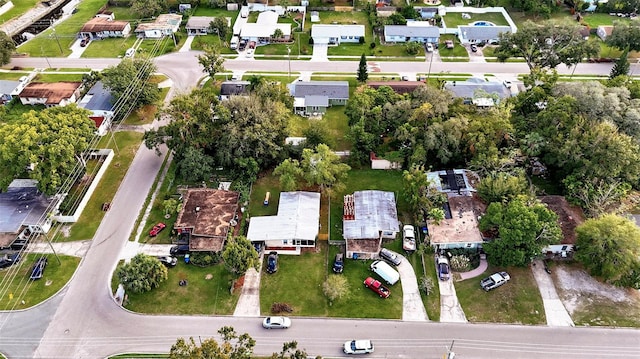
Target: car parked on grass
[449,44]
[338,263]
[408,238]
[157,229]
[169,261]
[385,271]
[276,323]
[444,271]
[38,269]
[9,259]
[362,346]
[390,256]
[179,250]
[494,281]
[377,287]
[272,262]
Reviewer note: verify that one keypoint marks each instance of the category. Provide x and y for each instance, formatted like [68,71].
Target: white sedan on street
[276,323]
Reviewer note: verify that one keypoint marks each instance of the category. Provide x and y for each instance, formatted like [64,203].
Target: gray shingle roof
[21,206]
[467,89]
[411,31]
[314,100]
[233,87]
[482,33]
[331,89]
[101,99]
[6,86]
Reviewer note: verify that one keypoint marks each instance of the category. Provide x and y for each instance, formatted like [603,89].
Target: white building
[336,34]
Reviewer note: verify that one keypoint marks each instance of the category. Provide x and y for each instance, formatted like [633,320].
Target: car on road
[444,271]
[179,250]
[272,262]
[377,287]
[9,259]
[157,229]
[474,48]
[362,346]
[276,323]
[390,256]
[169,261]
[37,271]
[449,44]
[494,281]
[408,238]
[338,263]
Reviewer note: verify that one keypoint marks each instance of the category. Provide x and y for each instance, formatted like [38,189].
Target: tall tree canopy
[50,141]
[211,60]
[129,80]
[625,35]
[142,274]
[239,255]
[6,48]
[363,72]
[233,346]
[147,8]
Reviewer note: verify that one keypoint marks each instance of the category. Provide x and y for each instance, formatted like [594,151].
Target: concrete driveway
[556,313]
[412,307]
[450,309]
[320,52]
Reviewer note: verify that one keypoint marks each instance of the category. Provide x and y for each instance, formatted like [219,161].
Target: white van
[234,43]
[388,274]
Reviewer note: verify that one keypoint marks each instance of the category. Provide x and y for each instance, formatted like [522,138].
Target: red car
[377,287]
[156,229]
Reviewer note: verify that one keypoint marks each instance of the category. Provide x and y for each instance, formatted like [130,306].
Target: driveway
[249,302]
[412,307]
[556,313]
[450,309]
[320,52]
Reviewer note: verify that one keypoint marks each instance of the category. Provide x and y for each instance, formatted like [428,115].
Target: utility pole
[289,57]
[57,40]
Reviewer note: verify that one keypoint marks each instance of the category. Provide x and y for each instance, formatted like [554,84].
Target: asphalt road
[83,321]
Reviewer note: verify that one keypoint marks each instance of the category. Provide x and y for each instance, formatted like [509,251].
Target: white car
[408,238]
[362,346]
[276,323]
[248,53]
[494,281]
[130,52]
[429,47]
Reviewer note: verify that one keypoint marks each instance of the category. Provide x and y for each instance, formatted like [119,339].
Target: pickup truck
[494,281]
[377,287]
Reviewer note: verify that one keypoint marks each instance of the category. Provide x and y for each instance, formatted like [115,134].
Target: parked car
[390,256]
[408,238]
[449,44]
[362,346]
[444,270]
[157,229]
[429,47]
[84,42]
[38,268]
[9,259]
[179,250]
[272,262]
[276,323]
[338,263]
[249,52]
[494,281]
[258,247]
[377,287]
[169,261]
[385,271]
[130,52]
[474,48]
[19,244]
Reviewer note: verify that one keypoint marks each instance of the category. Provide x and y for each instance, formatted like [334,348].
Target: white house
[336,34]
[50,94]
[101,27]
[314,97]
[263,29]
[296,225]
[199,25]
[603,31]
[470,34]
[99,101]
[164,25]
[406,33]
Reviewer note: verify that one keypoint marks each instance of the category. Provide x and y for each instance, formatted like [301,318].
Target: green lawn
[341,17]
[53,77]
[15,109]
[56,275]
[156,215]
[517,302]
[201,296]
[432,301]
[597,19]
[453,19]
[19,8]
[12,75]
[300,46]
[113,47]
[199,42]
[334,121]
[457,51]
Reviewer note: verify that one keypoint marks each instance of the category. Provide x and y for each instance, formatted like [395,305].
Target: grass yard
[128,144]
[201,296]
[341,17]
[200,42]
[454,19]
[56,275]
[597,19]
[457,51]
[113,47]
[15,109]
[431,302]
[299,47]
[334,121]
[516,302]
[156,215]
[267,183]
[52,77]
[12,75]
[19,8]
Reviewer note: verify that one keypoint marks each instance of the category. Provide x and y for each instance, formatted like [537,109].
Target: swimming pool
[483,23]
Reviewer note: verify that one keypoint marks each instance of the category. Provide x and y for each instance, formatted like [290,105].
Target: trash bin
[186,258]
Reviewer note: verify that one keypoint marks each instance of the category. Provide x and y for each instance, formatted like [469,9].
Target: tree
[170,206]
[239,255]
[290,351]
[46,145]
[363,72]
[524,229]
[609,247]
[277,34]
[546,45]
[220,26]
[195,165]
[232,347]
[142,274]
[211,60]
[128,82]
[6,48]
[316,134]
[147,8]
[502,187]
[322,167]
[621,66]
[335,287]
[289,172]
[597,196]
[419,193]
[625,35]
[412,47]
[396,19]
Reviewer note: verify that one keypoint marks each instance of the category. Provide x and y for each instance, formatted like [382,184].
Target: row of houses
[104,25]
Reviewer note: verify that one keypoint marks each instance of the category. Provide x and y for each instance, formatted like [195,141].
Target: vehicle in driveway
[444,271]
[377,287]
[386,272]
[169,261]
[157,229]
[408,238]
[272,262]
[361,346]
[474,48]
[429,47]
[179,250]
[9,259]
[338,263]
[276,323]
[494,281]
[390,256]
[37,271]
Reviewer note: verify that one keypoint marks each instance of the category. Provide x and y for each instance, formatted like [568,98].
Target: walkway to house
[476,272]
[556,313]
[412,307]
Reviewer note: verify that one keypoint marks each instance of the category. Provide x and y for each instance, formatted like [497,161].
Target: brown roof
[54,92]
[363,245]
[213,244]
[397,86]
[207,212]
[98,24]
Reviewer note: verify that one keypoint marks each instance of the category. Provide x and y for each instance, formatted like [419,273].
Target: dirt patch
[569,217]
[579,285]
[238,283]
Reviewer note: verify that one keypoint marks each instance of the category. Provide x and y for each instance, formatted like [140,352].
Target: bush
[278,307]
[361,40]
[205,259]
[426,285]
[472,255]
[372,45]
[460,263]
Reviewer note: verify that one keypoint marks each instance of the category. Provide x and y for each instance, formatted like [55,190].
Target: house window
[469,245]
[343,37]
[564,248]
[350,37]
[387,233]
[285,241]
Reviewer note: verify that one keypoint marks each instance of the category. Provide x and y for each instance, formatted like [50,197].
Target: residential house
[314,97]
[9,89]
[400,87]
[99,101]
[406,33]
[427,12]
[386,11]
[50,93]
[479,92]
[163,25]
[206,217]
[603,31]
[233,88]
[293,228]
[101,27]
[368,218]
[336,34]
[199,25]
[264,28]
[469,34]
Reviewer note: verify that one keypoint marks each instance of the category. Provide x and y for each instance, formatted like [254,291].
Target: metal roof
[331,89]
[7,87]
[327,30]
[411,31]
[467,89]
[482,33]
[375,211]
[199,22]
[22,204]
[262,30]
[97,99]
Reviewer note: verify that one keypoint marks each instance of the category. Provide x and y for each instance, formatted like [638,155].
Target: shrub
[205,259]
[361,40]
[472,255]
[460,263]
[426,285]
[372,45]
[278,307]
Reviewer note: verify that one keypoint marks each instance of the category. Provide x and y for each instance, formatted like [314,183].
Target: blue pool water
[483,23]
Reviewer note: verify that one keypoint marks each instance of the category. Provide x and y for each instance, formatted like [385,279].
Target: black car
[338,263]
[169,261]
[9,259]
[179,250]
[38,269]
[272,262]
[474,48]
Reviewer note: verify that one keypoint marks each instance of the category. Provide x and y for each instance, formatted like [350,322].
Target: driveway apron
[412,307]
[450,309]
[249,301]
[556,313]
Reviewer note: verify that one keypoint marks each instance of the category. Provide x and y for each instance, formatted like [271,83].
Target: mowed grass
[334,121]
[19,8]
[457,51]
[597,19]
[343,18]
[15,281]
[112,47]
[454,19]
[200,296]
[49,77]
[517,301]
[12,75]
[127,145]
[431,302]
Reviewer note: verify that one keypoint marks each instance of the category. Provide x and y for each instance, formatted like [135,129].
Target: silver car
[362,346]
[276,323]
[390,256]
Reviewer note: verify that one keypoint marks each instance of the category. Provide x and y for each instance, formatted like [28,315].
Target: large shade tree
[6,48]
[625,35]
[142,273]
[232,346]
[129,83]
[239,255]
